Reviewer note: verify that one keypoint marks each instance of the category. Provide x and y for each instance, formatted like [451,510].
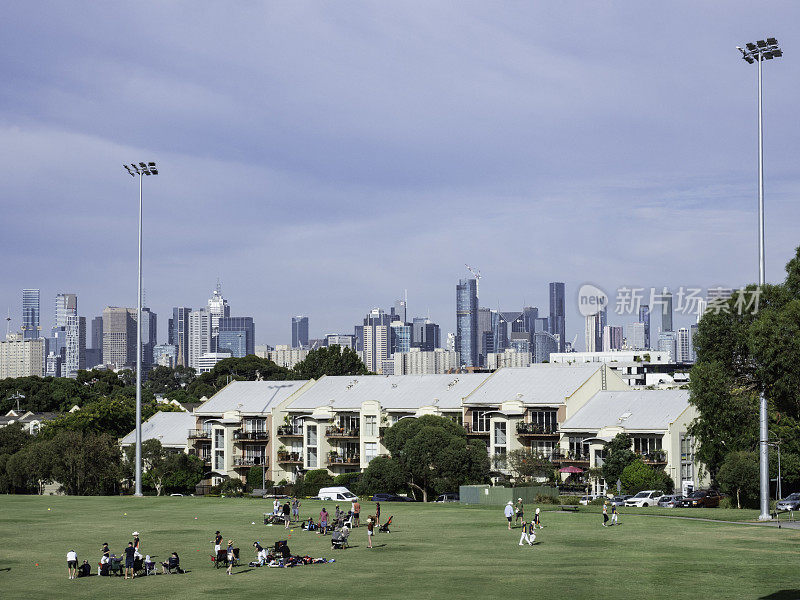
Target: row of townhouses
[565,412]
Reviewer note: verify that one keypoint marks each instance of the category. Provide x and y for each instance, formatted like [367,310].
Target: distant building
[179,333]
[237,335]
[544,344]
[400,337]
[284,356]
[425,334]
[557,321]
[644,318]
[119,336]
[426,362]
[376,339]
[75,350]
[683,351]
[97,339]
[336,339]
[508,358]
[20,357]
[635,336]
[664,303]
[668,342]
[199,336]
[149,337]
[400,310]
[692,334]
[217,309]
[467,321]
[300,331]
[612,338]
[206,362]
[31,328]
[165,355]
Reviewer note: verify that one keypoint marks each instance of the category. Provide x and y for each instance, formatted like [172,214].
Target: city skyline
[531,152]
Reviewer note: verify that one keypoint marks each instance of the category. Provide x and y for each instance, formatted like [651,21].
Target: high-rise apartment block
[635,336]
[376,339]
[20,357]
[683,346]
[75,350]
[31,328]
[425,362]
[178,334]
[467,321]
[612,338]
[199,336]
[300,331]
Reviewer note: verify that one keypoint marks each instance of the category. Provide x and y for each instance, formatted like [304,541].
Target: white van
[339,494]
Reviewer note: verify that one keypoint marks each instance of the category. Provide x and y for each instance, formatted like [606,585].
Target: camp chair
[116,566]
[339,540]
[385,527]
[220,559]
[173,565]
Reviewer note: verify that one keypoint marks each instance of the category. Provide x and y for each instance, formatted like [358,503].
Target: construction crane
[477,275]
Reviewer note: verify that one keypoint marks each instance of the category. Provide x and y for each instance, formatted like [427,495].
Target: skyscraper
[66,306]
[217,308]
[238,335]
[664,302]
[300,331]
[544,344]
[425,334]
[400,310]
[97,333]
[557,320]
[530,314]
[31,328]
[635,336]
[119,336]
[199,336]
[179,333]
[149,337]
[376,339]
[400,333]
[75,351]
[467,321]
[683,346]
[594,330]
[612,338]
[644,318]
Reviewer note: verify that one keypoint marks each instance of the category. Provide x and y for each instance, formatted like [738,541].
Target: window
[348,422]
[255,454]
[311,446]
[219,437]
[500,434]
[546,419]
[687,457]
[599,458]
[311,435]
[255,425]
[371,425]
[645,445]
[370,450]
[480,420]
[312,458]
[543,448]
[578,448]
[219,460]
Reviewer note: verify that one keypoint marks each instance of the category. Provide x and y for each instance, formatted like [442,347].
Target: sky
[320,158]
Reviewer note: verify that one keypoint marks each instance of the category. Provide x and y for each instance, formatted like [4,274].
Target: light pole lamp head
[148,168]
[761,50]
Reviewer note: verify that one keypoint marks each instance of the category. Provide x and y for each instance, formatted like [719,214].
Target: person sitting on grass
[261,554]
[85,569]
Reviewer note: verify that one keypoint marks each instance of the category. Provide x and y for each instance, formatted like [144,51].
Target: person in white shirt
[72,564]
[509,513]
[276,507]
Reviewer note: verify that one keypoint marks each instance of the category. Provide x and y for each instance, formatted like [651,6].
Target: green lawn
[435,551]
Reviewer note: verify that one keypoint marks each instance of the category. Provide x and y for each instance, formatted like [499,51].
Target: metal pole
[763,454]
[138,491]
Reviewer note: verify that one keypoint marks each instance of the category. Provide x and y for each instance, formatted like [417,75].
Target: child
[605,513]
[519,513]
[370,531]
[614,514]
[536,521]
[527,534]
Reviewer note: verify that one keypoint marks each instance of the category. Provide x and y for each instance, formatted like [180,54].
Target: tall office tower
[683,346]
[238,335]
[664,302]
[358,337]
[529,316]
[179,333]
[590,333]
[635,336]
[376,339]
[119,336]
[541,324]
[485,335]
[75,350]
[217,308]
[692,349]
[467,321]
[668,342]
[199,336]
[557,320]
[425,334]
[66,306]
[612,338]
[342,340]
[149,337]
[300,331]
[644,318]
[499,332]
[52,365]
[31,328]
[544,344]
[450,344]
[97,333]
[400,336]
[400,310]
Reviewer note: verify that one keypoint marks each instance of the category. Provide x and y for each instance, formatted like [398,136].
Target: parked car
[670,501]
[645,498]
[586,499]
[702,498]
[336,493]
[390,498]
[619,500]
[452,497]
[791,502]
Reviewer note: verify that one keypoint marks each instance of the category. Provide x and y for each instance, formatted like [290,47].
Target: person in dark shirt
[287,515]
[130,551]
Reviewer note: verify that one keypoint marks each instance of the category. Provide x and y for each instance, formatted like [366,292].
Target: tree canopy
[333,360]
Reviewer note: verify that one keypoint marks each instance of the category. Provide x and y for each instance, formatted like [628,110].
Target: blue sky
[320,158]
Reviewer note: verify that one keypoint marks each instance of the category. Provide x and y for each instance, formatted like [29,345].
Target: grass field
[435,551]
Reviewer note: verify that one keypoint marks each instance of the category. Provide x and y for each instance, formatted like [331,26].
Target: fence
[497,496]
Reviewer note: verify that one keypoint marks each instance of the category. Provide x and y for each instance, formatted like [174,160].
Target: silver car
[670,501]
[791,502]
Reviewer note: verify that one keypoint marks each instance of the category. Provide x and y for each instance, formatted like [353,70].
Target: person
[174,562]
[527,533]
[135,535]
[605,513]
[130,552]
[149,566]
[104,560]
[72,564]
[230,557]
[276,507]
[377,513]
[519,512]
[508,511]
[370,531]
[261,554]
[85,569]
[286,515]
[614,514]
[536,520]
[296,509]
[323,521]
[356,512]
[217,542]
[337,515]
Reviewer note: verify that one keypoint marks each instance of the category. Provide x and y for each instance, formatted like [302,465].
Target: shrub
[598,501]
[726,503]
[546,499]
[569,499]
[232,487]
[313,481]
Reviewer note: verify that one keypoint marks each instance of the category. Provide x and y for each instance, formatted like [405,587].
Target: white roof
[249,397]
[635,410]
[169,428]
[393,392]
[540,383]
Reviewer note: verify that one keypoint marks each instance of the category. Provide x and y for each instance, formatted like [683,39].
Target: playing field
[434,551]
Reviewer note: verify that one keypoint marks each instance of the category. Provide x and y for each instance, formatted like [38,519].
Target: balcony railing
[250,436]
[199,434]
[290,431]
[290,457]
[657,457]
[569,457]
[536,429]
[471,431]
[350,459]
[249,461]
[342,432]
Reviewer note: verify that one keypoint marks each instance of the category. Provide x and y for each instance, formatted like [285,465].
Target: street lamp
[141,170]
[758,52]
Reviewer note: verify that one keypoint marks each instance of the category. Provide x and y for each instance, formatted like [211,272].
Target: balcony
[535,430]
[199,434]
[249,461]
[290,457]
[338,459]
[290,431]
[569,458]
[342,432]
[657,457]
[474,432]
[250,436]
[206,458]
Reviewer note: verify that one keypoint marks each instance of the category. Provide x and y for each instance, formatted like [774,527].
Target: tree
[161,379]
[638,476]
[313,481]
[333,360]
[738,476]
[618,456]
[182,472]
[30,468]
[383,475]
[255,478]
[84,463]
[525,463]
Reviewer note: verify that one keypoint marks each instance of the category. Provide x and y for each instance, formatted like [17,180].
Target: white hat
[519,499]
[135,533]
[510,502]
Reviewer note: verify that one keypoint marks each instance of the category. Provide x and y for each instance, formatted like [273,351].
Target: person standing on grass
[536,521]
[508,511]
[286,515]
[370,531]
[136,551]
[130,552]
[72,564]
[217,542]
[519,512]
[230,557]
[356,512]
[614,514]
[605,513]
[323,521]
[378,513]
[296,508]
[527,533]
